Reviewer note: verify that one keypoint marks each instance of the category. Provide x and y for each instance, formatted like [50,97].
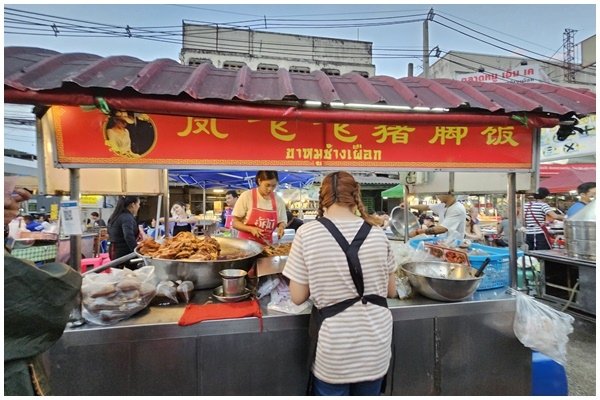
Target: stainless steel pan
[205,274]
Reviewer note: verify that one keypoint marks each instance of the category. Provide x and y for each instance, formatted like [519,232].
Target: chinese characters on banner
[81,138]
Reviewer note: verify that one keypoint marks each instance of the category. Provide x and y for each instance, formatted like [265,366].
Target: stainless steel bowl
[441,280]
[205,274]
[398,222]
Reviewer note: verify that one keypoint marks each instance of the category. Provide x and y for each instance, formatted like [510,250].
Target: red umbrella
[568,180]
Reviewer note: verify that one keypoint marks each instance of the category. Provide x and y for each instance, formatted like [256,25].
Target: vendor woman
[259,212]
[180,221]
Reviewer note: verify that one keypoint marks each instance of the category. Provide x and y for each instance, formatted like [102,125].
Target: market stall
[307,122]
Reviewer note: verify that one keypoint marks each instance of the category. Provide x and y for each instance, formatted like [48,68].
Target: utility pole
[430,15]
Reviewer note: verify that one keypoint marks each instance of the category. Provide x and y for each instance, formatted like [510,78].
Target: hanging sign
[90,138]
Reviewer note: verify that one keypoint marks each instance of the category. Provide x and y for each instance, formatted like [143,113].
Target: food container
[441,280]
[234,282]
[205,274]
[580,233]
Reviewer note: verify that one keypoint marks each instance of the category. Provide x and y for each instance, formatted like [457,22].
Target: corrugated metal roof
[39,70]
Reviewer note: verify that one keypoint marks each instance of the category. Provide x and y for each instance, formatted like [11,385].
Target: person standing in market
[537,236]
[97,222]
[227,214]
[587,193]
[123,230]
[37,303]
[293,222]
[452,216]
[180,220]
[260,211]
[345,264]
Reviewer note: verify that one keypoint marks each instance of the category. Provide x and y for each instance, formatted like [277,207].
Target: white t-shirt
[244,203]
[354,345]
[453,217]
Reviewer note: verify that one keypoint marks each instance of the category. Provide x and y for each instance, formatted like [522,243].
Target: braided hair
[341,188]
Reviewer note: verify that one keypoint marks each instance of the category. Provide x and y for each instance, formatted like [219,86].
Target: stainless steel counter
[565,277]
[465,348]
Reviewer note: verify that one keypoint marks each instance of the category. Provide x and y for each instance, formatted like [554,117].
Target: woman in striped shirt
[354,340]
[535,218]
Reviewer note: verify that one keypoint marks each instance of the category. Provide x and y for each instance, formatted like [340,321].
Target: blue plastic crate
[496,274]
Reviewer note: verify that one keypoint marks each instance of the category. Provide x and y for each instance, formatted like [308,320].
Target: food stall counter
[438,350]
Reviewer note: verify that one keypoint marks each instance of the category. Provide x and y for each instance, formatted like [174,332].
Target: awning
[41,76]
[568,180]
[236,179]
[394,193]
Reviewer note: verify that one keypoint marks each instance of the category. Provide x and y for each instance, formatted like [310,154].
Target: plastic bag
[541,327]
[281,301]
[166,294]
[184,291]
[403,287]
[110,298]
[266,286]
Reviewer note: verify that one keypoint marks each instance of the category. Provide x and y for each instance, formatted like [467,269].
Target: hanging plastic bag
[541,327]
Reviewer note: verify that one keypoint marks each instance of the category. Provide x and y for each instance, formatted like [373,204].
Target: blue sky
[534,29]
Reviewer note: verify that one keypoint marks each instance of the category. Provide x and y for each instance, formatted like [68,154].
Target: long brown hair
[341,188]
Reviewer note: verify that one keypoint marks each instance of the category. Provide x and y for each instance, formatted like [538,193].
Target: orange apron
[264,219]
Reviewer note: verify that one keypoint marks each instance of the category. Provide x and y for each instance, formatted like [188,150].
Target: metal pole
[406,211]
[410,69]
[158,206]
[167,197]
[75,319]
[426,48]
[512,223]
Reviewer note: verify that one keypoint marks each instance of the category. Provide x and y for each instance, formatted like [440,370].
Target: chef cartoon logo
[131,135]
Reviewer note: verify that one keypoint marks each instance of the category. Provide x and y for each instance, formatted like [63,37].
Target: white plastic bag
[541,327]
[110,298]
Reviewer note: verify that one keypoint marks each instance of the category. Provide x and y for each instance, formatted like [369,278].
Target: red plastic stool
[90,262]
[105,260]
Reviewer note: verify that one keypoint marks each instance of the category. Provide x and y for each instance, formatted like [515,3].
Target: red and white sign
[91,138]
[520,74]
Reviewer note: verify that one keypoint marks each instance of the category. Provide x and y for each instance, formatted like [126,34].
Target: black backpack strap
[351,250]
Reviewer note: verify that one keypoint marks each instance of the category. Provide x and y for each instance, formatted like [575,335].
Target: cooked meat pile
[185,245]
[282,249]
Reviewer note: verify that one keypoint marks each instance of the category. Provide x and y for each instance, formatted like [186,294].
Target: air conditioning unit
[414,177]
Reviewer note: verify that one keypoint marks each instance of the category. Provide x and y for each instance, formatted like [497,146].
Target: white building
[233,48]
[496,69]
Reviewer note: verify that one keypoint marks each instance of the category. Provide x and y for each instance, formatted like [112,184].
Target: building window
[331,71]
[233,65]
[364,74]
[267,67]
[300,70]
[198,61]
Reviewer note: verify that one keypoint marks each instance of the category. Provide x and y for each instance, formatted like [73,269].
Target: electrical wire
[511,51]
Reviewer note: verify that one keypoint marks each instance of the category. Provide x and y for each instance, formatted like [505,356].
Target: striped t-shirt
[355,345]
[539,210]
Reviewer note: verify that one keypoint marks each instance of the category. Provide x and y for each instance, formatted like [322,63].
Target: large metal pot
[205,274]
[442,280]
[580,233]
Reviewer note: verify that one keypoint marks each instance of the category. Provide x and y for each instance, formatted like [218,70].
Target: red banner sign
[94,139]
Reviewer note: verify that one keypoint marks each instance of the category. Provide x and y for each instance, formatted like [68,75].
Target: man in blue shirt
[587,193]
